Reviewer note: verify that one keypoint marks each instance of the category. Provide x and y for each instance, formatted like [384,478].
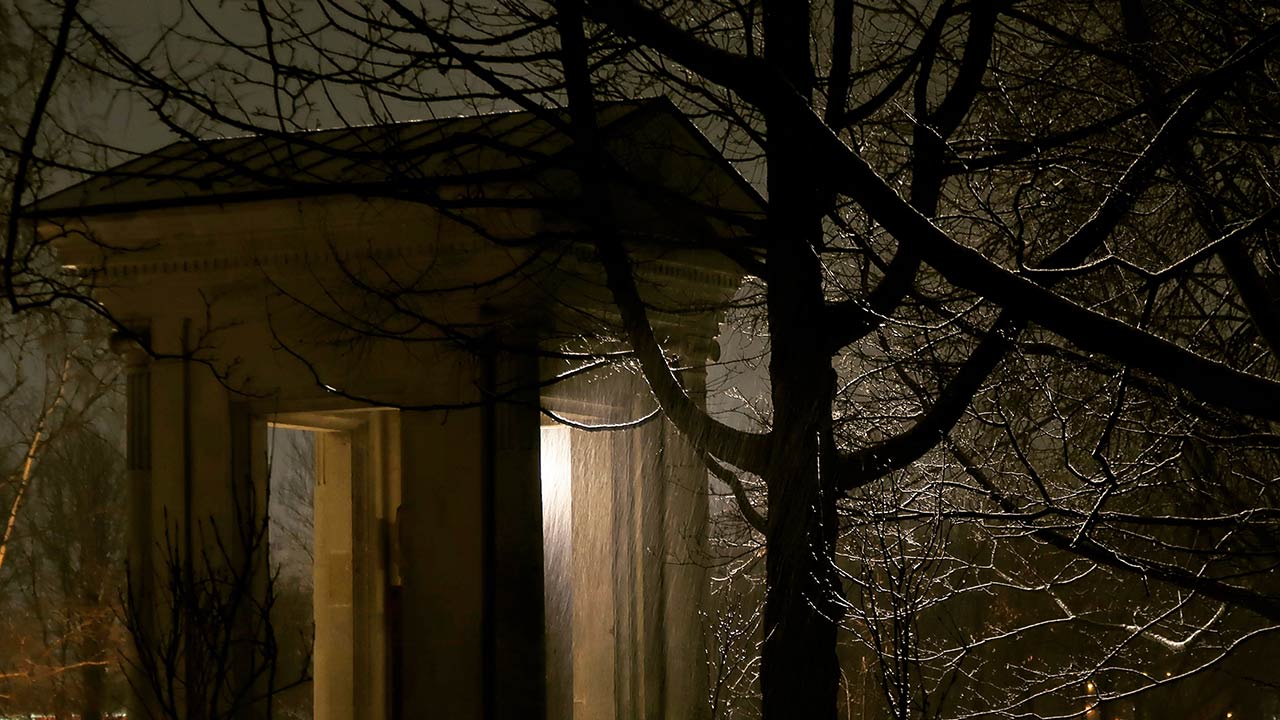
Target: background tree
[64,598]
[60,529]
[60,546]
[291,530]
[206,644]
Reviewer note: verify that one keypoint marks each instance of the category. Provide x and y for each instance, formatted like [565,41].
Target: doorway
[334,486]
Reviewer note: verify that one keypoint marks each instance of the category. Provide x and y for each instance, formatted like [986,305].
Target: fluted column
[685,556]
[138,476]
[137,453]
[685,578]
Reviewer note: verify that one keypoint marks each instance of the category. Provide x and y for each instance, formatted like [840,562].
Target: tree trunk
[94,681]
[800,671]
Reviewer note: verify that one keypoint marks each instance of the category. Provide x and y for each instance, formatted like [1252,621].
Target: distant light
[557,531]
[1089,686]
[1169,674]
[1228,714]
[557,490]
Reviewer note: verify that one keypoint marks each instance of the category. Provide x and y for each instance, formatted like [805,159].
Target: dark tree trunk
[93,678]
[95,648]
[800,672]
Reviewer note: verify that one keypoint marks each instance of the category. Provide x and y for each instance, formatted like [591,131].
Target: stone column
[138,467]
[684,562]
[638,541]
[442,553]
[660,518]
[596,596]
[137,458]
[169,438]
[684,580]
[248,451]
[197,476]
[373,474]
[556,459]
[514,583]
[333,668]
[471,552]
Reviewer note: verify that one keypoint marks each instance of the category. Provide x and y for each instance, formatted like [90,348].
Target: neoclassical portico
[472,557]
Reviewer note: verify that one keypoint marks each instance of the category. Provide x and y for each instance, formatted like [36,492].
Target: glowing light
[557,472]
[557,505]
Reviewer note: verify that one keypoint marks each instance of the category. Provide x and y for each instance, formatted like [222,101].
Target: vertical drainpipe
[190,657]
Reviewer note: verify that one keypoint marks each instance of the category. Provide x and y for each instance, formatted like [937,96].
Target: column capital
[694,349]
[130,344]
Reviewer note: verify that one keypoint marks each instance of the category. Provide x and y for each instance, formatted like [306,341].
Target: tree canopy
[1013,292]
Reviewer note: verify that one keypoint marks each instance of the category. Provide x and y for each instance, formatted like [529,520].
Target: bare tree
[291,518]
[204,638]
[65,593]
[1017,256]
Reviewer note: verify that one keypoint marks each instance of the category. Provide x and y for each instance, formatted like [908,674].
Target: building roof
[396,159]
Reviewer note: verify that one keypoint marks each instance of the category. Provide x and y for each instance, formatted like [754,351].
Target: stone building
[423,297]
